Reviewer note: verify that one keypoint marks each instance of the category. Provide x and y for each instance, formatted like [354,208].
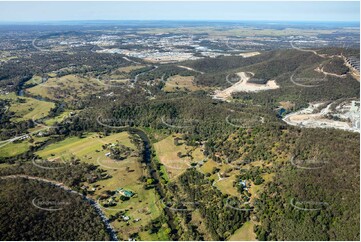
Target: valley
[179,131]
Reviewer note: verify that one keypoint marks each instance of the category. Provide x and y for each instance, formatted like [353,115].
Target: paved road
[37,47]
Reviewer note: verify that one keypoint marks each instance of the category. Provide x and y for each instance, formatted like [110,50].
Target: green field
[17,148]
[167,153]
[180,83]
[245,233]
[69,87]
[13,149]
[84,148]
[128,69]
[26,108]
[58,119]
[125,174]
[35,80]
[162,235]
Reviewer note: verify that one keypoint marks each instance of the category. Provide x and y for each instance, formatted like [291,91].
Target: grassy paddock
[167,153]
[69,87]
[245,233]
[145,205]
[26,108]
[180,83]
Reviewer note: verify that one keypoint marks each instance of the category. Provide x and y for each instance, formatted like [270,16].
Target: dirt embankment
[346,116]
[244,86]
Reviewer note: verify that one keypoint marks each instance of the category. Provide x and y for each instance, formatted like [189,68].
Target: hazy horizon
[291,11]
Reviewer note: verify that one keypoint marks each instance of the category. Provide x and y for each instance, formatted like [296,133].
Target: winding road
[318,69]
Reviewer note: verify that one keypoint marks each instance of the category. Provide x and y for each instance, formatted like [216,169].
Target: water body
[20,93]
[147,159]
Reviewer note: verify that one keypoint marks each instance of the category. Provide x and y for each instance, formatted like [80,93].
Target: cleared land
[245,233]
[69,87]
[129,69]
[35,80]
[16,148]
[124,174]
[190,69]
[180,83]
[226,185]
[244,86]
[249,54]
[26,108]
[167,153]
[346,116]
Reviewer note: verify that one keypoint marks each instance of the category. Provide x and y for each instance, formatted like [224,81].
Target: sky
[162,10]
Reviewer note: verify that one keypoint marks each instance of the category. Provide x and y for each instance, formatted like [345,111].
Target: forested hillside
[64,216]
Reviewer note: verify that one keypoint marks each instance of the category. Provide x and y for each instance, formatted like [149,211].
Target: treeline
[315,196]
[165,71]
[196,116]
[32,210]
[336,66]
[72,172]
[330,88]
[346,51]
[224,63]
[14,71]
[11,129]
[220,217]
[266,66]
